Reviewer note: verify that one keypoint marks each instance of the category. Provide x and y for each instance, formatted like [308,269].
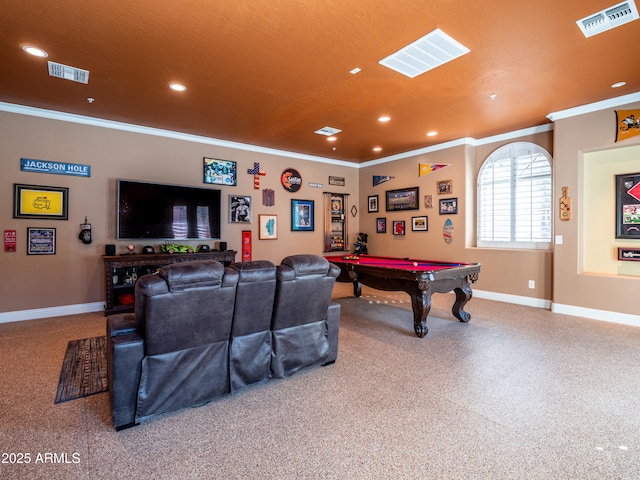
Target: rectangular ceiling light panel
[608,18]
[68,73]
[426,53]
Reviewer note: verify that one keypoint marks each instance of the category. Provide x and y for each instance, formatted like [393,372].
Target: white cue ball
[415,264]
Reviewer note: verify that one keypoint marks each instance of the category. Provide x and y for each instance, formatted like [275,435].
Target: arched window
[514,198]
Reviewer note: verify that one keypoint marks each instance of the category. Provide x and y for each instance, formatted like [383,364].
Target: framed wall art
[381,225]
[448,206]
[302,215]
[628,206]
[239,209]
[220,172]
[373,203]
[398,227]
[444,187]
[419,224]
[33,201]
[267,227]
[402,199]
[41,241]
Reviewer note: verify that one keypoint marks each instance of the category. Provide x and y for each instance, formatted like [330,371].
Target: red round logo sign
[291,180]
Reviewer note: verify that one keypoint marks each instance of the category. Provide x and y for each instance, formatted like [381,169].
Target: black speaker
[110,249]
[222,246]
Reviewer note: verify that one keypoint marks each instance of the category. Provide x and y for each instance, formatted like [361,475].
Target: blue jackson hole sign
[60,168]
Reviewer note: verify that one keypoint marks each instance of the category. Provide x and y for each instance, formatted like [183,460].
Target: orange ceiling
[271,72]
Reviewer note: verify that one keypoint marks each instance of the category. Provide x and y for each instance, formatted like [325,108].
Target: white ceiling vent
[68,73]
[328,131]
[609,18]
[428,52]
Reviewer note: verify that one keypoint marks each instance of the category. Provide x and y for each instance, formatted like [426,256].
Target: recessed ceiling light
[355,70]
[618,84]
[178,87]
[384,118]
[332,139]
[377,149]
[493,96]
[35,51]
[432,133]
[91,99]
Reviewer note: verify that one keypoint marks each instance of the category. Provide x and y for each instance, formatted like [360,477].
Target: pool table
[418,278]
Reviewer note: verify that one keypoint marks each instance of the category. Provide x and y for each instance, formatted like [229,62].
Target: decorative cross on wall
[257,173]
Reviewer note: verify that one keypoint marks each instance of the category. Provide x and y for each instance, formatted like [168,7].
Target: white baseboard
[593,314]
[517,299]
[17,316]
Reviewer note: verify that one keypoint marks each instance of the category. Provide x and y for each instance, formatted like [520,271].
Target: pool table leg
[463,295]
[421,303]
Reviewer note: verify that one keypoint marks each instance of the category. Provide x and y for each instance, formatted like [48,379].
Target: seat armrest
[124,363]
[121,324]
[333,329]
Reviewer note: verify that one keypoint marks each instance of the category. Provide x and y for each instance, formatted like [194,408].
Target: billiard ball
[415,264]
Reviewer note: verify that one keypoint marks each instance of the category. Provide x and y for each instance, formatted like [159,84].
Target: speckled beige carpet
[517,393]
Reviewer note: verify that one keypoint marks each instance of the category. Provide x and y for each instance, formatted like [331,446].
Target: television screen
[152,210]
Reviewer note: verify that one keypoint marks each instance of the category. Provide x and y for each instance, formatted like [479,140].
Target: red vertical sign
[246,245]
[9,240]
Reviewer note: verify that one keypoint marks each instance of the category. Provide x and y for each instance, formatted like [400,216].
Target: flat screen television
[169,212]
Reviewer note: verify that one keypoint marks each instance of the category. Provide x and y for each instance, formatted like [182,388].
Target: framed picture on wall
[302,215]
[373,203]
[267,227]
[419,224]
[41,241]
[444,187]
[220,172]
[239,209]
[33,201]
[628,206]
[381,225]
[398,227]
[403,199]
[448,206]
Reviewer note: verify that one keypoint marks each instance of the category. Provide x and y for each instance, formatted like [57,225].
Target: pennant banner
[378,179]
[427,168]
[627,124]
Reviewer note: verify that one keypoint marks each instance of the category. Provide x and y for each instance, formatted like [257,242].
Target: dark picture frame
[444,187]
[35,201]
[402,199]
[381,225]
[302,215]
[399,227]
[220,172]
[41,241]
[372,203]
[239,209]
[628,206]
[449,206]
[420,224]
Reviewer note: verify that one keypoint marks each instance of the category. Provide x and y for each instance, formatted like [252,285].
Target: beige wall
[74,275]
[497,272]
[585,273]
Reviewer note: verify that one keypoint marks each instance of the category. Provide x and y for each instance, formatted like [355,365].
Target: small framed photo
[220,172]
[448,206]
[302,215]
[419,224]
[398,227]
[373,203]
[239,209]
[267,227]
[33,201]
[381,225]
[428,201]
[41,241]
[444,187]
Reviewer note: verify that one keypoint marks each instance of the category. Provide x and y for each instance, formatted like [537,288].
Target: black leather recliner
[201,330]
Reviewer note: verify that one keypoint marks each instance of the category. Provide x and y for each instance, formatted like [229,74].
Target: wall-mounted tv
[169,212]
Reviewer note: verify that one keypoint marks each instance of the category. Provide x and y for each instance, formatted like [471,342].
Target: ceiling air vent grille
[68,73]
[609,18]
[424,54]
